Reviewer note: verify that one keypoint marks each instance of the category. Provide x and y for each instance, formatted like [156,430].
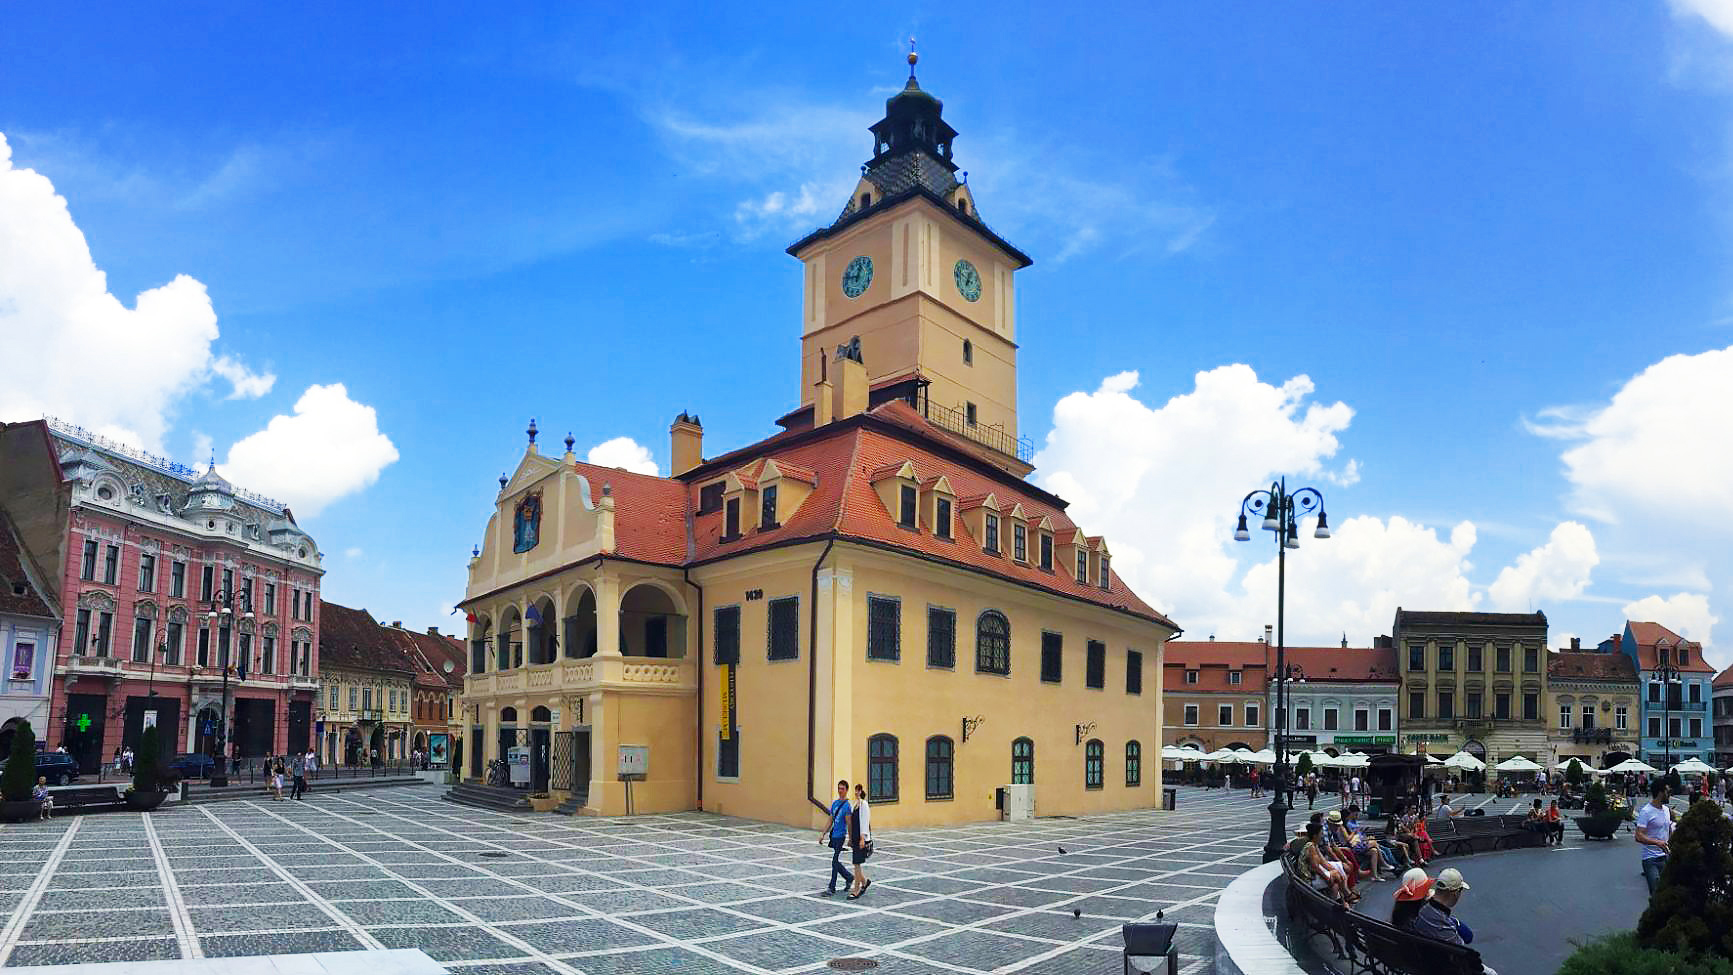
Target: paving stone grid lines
[491,893]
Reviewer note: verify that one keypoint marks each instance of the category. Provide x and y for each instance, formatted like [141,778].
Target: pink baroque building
[153,547]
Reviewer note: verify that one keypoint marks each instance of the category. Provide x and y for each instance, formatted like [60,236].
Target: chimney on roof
[1576,643]
[848,378]
[1344,641]
[1269,634]
[397,624]
[687,452]
[433,631]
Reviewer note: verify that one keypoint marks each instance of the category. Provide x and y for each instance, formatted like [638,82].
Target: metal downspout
[812,679]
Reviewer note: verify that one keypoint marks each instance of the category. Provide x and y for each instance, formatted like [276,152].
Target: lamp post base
[1278,841]
[219,772]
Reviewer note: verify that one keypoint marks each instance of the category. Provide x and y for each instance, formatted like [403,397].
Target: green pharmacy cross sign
[83,722]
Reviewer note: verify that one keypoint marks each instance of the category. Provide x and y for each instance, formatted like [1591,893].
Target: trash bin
[1147,944]
[1168,798]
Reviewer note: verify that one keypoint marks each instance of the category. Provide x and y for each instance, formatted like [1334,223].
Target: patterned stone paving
[489,893]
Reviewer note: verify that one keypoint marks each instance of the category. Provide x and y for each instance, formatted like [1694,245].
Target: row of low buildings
[1485,683]
[135,592]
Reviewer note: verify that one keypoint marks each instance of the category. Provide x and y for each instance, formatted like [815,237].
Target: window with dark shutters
[1133,672]
[941,637]
[727,635]
[1052,657]
[1095,666]
[767,509]
[906,506]
[785,628]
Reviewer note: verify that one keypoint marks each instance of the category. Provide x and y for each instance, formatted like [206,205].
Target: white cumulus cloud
[1716,13]
[55,307]
[1649,450]
[1685,613]
[1556,571]
[624,453]
[329,448]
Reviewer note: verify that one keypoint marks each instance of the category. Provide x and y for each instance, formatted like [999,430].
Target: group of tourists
[1334,850]
[279,771]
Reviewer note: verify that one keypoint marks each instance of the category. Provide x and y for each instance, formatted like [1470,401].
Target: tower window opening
[968,353]
[969,413]
[866,200]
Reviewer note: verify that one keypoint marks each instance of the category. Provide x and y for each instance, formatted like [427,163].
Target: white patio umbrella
[1219,755]
[1516,763]
[1465,762]
[1237,756]
[1174,753]
[1432,759]
[1565,766]
[1694,766]
[1632,765]
[1262,757]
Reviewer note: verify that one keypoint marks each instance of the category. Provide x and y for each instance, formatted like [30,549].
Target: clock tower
[909,267]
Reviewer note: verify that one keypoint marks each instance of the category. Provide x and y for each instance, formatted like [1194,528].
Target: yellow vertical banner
[725,687]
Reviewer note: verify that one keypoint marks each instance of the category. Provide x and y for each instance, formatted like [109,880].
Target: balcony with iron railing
[1592,736]
[994,437]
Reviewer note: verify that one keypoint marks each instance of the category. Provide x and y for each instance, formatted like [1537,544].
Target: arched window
[939,780]
[1022,762]
[508,715]
[992,643]
[541,714]
[1092,758]
[1133,763]
[882,768]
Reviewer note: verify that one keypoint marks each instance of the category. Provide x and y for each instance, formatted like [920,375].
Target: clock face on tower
[857,276]
[968,280]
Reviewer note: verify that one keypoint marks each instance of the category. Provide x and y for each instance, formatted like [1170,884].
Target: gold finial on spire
[913,57]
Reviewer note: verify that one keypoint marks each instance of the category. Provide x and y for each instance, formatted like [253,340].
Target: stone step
[488,797]
[328,788]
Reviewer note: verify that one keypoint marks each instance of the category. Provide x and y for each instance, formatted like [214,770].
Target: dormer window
[942,517]
[731,520]
[866,200]
[767,514]
[1105,578]
[906,497]
[993,534]
[1083,567]
[1047,551]
[710,498]
[1019,542]
[1684,655]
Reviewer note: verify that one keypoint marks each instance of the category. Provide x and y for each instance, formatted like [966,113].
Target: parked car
[58,768]
[192,765]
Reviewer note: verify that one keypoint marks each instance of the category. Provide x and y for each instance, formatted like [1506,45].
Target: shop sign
[1365,740]
[725,687]
[1422,736]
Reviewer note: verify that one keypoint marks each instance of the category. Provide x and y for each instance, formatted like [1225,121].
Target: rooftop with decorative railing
[995,437]
[91,438]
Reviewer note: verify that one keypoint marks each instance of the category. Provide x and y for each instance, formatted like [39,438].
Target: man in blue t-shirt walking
[837,835]
[1655,832]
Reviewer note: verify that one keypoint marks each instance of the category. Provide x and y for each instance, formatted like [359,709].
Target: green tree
[1595,800]
[147,770]
[1619,954]
[1574,774]
[1303,766]
[1692,910]
[20,775]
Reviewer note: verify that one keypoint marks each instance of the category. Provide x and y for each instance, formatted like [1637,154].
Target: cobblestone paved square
[489,893]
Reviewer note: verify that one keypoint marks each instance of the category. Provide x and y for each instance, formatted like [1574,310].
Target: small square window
[969,413]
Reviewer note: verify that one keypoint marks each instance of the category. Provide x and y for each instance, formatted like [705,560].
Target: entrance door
[83,730]
[166,715]
[581,766]
[540,741]
[210,721]
[255,726]
[300,723]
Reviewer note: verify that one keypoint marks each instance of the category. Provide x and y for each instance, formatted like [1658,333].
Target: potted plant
[1601,821]
[149,782]
[20,777]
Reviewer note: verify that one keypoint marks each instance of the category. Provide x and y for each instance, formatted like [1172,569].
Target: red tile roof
[1647,635]
[649,513]
[1724,678]
[1356,664]
[1590,665]
[353,638]
[656,518]
[430,653]
[1214,660]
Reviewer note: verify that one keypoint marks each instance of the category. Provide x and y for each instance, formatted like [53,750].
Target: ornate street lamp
[222,604]
[1669,675]
[1281,511]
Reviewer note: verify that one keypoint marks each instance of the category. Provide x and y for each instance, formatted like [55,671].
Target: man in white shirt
[1354,787]
[1655,832]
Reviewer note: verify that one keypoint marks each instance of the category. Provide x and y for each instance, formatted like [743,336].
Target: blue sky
[1476,228]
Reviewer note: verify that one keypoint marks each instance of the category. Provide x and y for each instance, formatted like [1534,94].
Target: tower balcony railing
[994,437]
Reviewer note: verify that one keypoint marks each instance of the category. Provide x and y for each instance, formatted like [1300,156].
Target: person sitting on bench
[42,795]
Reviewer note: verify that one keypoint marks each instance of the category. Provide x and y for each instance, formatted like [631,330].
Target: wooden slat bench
[1368,944]
[85,797]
